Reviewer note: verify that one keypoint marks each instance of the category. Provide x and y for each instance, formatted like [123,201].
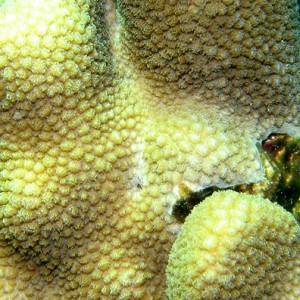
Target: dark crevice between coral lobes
[281,160]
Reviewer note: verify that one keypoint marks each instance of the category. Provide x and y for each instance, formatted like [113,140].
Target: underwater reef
[111,113]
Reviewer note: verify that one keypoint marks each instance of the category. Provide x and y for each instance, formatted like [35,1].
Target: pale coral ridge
[99,128]
[236,246]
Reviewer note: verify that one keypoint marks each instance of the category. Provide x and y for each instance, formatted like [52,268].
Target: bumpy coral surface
[106,107]
[236,246]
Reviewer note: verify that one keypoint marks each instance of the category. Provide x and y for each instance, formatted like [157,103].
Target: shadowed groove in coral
[280,156]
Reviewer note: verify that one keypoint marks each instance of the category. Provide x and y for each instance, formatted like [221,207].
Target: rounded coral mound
[236,246]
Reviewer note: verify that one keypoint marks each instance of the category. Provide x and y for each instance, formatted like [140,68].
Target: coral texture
[239,56]
[236,62]
[106,108]
[236,246]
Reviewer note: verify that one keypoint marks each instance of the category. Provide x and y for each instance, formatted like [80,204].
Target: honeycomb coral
[236,246]
[103,118]
[240,56]
[236,62]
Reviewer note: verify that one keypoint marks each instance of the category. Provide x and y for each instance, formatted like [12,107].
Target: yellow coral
[103,115]
[68,166]
[236,246]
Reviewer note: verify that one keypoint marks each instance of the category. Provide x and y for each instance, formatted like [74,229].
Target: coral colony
[114,114]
